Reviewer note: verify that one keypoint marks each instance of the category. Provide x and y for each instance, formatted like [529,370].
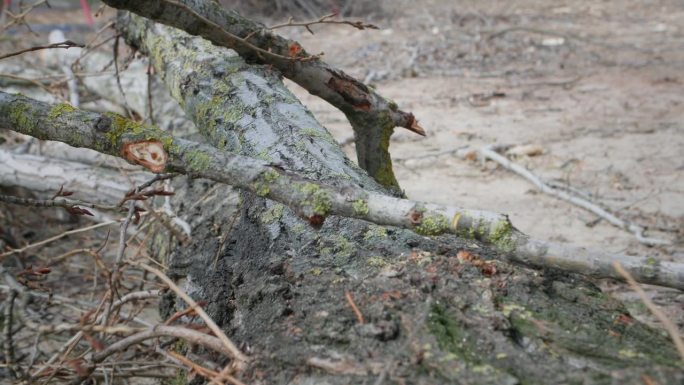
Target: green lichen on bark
[501,236]
[375,232]
[317,199]
[262,187]
[376,261]
[433,225]
[19,114]
[121,126]
[273,214]
[197,161]
[59,109]
[313,133]
[360,207]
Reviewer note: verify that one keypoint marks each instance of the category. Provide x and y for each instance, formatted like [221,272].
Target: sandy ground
[597,86]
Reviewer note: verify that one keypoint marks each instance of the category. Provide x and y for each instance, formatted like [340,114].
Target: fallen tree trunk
[314,201]
[350,302]
[372,116]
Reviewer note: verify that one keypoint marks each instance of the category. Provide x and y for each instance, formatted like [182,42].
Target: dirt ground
[598,85]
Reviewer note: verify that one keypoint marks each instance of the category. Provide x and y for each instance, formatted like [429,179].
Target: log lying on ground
[112,134]
[372,116]
[277,285]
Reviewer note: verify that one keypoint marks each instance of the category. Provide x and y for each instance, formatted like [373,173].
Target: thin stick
[232,348]
[65,44]
[230,36]
[8,345]
[56,237]
[324,20]
[356,310]
[669,326]
[638,231]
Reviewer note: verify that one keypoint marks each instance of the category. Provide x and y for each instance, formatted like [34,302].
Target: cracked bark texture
[372,116]
[278,286]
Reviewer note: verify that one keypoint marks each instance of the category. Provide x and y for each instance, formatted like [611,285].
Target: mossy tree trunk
[280,286]
[430,310]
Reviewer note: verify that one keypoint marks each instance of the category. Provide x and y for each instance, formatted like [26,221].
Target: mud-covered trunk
[350,302]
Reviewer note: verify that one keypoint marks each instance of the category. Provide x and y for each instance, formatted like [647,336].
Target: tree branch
[113,134]
[372,116]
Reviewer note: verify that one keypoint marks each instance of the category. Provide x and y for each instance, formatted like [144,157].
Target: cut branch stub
[147,153]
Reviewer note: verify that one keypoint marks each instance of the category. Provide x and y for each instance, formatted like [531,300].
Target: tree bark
[372,116]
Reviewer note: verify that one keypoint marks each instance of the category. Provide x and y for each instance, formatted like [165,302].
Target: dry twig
[669,326]
[638,231]
[65,44]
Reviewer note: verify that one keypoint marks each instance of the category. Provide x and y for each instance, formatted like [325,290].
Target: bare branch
[637,230]
[372,116]
[65,44]
[314,201]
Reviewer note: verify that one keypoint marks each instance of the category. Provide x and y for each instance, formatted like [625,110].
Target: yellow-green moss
[316,271]
[376,262]
[58,109]
[273,214]
[433,225]
[360,207]
[375,231]
[385,176]
[198,161]
[19,115]
[318,199]
[262,186]
[501,235]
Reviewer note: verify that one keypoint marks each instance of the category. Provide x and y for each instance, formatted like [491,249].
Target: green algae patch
[433,225]
[59,109]
[360,207]
[317,198]
[448,332]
